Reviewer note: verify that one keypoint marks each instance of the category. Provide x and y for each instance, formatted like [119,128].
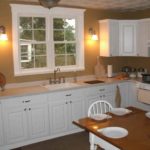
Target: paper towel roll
[109,71]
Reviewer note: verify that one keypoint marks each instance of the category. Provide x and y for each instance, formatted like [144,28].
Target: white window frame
[19,10]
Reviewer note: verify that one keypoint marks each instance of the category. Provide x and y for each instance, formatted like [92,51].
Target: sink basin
[94,81]
[114,132]
[61,86]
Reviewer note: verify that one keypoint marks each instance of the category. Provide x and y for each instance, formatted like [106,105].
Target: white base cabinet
[29,119]
[106,92]
[25,118]
[64,107]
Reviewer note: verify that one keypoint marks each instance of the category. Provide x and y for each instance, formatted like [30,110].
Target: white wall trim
[31,10]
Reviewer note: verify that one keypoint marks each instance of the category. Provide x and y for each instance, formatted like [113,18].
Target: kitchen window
[45,39]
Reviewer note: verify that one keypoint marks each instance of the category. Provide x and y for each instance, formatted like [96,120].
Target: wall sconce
[94,37]
[3,35]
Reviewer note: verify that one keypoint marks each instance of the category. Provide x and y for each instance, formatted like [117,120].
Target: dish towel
[144,96]
[118,97]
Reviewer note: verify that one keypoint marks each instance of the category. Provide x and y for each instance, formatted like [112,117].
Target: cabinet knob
[29,109]
[70,102]
[25,109]
[66,103]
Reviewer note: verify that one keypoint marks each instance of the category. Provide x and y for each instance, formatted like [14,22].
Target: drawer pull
[29,109]
[27,101]
[101,90]
[70,102]
[68,94]
[25,109]
[66,103]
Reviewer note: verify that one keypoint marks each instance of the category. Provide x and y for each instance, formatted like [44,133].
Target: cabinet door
[1,128]
[109,36]
[58,116]
[76,110]
[123,88]
[38,120]
[127,32]
[15,124]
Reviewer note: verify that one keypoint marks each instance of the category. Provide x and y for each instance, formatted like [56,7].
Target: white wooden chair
[99,107]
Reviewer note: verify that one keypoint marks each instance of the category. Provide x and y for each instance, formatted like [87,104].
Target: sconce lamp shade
[94,37]
[3,35]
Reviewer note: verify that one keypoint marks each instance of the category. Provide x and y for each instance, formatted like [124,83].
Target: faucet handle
[50,80]
[64,79]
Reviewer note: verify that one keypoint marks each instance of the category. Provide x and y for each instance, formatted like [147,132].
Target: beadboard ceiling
[117,5]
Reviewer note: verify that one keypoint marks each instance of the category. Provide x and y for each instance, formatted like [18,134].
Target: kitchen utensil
[2,81]
[146,78]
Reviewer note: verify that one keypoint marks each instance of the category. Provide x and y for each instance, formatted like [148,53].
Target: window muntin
[32,37]
[64,31]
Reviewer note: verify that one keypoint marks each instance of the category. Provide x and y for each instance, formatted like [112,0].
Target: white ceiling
[121,5]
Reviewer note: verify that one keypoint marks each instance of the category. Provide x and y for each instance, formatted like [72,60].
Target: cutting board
[99,69]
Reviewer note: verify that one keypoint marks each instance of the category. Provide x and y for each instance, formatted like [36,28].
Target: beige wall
[91,47]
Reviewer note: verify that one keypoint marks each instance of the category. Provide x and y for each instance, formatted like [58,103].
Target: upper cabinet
[144,37]
[109,37]
[128,38]
[118,38]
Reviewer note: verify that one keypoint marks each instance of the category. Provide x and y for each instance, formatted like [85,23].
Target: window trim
[19,10]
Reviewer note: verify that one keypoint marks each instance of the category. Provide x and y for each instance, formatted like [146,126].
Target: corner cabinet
[118,38]
[25,118]
[64,107]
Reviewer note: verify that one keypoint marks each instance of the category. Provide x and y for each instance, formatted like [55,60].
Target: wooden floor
[78,141]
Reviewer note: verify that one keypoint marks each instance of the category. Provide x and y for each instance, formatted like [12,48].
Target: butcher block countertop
[39,89]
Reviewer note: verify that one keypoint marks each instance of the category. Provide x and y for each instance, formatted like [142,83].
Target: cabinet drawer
[24,100]
[13,102]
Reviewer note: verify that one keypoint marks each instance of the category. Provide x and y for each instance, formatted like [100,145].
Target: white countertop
[39,89]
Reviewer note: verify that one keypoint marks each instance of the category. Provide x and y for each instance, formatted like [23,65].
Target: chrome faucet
[55,79]
[55,71]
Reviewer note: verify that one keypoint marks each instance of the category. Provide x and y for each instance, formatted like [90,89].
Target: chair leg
[92,146]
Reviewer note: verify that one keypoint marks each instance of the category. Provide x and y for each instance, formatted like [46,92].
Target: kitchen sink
[93,81]
[61,86]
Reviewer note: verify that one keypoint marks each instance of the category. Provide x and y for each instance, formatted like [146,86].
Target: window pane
[58,23]
[29,64]
[70,35]
[60,60]
[71,60]
[59,48]
[59,35]
[40,49]
[26,35]
[40,61]
[39,35]
[25,23]
[38,23]
[71,48]
[70,24]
